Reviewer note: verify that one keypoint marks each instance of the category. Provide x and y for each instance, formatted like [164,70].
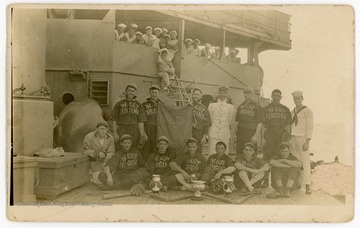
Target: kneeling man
[285,171]
[124,169]
[189,166]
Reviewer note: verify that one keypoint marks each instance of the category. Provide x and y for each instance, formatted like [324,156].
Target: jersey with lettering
[276,115]
[201,117]
[253,163]
[191,165]
[248,115]
[217,164]
[159,163]
[290,158]
[150,110]
[128,112]
[125,161]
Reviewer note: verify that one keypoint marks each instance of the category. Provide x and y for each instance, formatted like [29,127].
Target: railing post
[179,55]
[223,45]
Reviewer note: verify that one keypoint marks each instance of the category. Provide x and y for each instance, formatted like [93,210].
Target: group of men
[158,38]
[284,136]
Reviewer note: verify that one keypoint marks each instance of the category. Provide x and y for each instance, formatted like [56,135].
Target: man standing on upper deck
[301,133]
[119,32]
[150,109]
[149,38]
[162,42]
[276,126]
[128,117]
[201,119]
[197,49]
[249,116]
[221,117]
[130,35]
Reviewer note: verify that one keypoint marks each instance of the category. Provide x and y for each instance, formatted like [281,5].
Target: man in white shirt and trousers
[301,133]
[221,116]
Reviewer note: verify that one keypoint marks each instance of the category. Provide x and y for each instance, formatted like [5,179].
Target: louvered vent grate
[100,91]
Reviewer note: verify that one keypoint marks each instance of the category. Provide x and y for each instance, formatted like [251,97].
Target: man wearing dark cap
[201,119]
[276,125]
[128,117]
[189,166]
[124,169]
[100,147]
[252,171]
[249,117]
[218,166]
[158,163]
[284,172]
[150,110]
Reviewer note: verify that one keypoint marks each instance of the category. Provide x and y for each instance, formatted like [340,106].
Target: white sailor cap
[162,50]
[138,33]
[134,25]
[148,28]
[165,30]
[122,25]
[224,87]
[157,29]
[188,40]
[167,36]
[173,31]
[197,40]
[297,93]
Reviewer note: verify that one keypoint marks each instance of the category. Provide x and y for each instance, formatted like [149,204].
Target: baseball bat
[115,195]
[226,200]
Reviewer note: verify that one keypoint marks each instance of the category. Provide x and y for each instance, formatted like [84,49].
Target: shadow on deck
[90,193]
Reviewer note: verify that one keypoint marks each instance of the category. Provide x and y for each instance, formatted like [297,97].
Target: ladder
[180,93]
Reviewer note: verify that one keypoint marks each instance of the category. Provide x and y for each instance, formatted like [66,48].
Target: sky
[321,64]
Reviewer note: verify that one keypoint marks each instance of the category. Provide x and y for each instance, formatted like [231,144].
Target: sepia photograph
[180,113]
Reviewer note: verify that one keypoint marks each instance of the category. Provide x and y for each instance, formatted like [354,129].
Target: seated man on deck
[252,170]
[218,166]
[284,172]
[166,69]
[119,32]
[124,169]
[100,147]
[189,166]
[138,38]
[158,163]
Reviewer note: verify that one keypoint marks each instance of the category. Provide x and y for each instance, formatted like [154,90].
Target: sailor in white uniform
[221,116]
[301,133]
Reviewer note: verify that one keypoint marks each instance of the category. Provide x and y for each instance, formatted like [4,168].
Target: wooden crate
[62,174]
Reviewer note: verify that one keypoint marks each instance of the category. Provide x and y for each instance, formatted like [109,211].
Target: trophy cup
[228,186]
[155,184]
[198,186]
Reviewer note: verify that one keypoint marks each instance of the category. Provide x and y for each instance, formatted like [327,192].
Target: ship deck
[90,193]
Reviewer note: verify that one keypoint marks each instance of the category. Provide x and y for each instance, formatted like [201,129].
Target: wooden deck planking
[297,198]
